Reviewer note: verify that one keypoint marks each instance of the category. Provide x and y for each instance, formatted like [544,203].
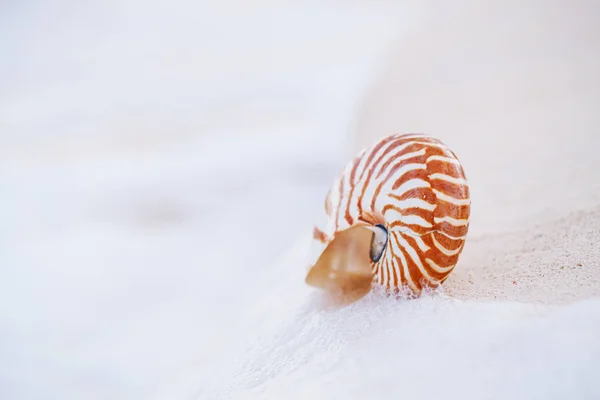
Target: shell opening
[345,264]
[378,242]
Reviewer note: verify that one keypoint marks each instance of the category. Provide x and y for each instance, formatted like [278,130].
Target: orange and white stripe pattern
[413,185]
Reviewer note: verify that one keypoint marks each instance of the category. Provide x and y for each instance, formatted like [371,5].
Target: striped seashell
[397,217]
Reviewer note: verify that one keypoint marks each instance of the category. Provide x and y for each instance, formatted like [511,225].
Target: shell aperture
[410,193]
[378,242]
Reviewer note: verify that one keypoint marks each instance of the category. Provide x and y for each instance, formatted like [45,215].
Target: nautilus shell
[397,218]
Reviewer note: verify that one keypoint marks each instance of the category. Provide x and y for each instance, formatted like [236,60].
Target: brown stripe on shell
[371,164]
[408,175]
[341,197]
[451,230]
[347,215]
[450,244]
[411,267]
[431,273]
[459,192]
[394,145]
[396,281]
[414,148]
[328,205]
[372,218]
[320,235]
[422,174]
[445,208]
[446,168]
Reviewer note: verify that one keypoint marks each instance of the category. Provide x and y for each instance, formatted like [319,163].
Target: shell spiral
[415,187]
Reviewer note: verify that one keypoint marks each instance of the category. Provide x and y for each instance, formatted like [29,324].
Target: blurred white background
[154,159]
